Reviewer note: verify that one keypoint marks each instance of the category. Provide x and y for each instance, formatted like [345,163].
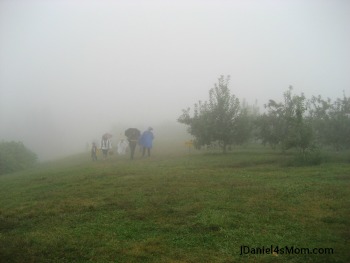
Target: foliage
[311,157]
[245,122]
[331,121]
[14,156]
[285,124]
[221,119]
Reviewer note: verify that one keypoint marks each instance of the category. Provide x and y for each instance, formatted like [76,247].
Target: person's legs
[132,149]
[143,151]
[149,152]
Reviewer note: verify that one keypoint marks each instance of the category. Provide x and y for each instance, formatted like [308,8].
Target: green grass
[175,207]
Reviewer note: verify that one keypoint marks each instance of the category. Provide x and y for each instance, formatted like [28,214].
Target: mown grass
[175,208]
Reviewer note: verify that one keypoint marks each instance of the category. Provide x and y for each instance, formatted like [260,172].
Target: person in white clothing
[106,145]
[122,146]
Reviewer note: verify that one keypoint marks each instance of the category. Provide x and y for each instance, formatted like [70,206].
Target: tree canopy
[285,123]
[220,119]
[294,123]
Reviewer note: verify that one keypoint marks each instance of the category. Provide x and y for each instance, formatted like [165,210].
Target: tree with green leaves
[331,121]
[219,120]
[285,124]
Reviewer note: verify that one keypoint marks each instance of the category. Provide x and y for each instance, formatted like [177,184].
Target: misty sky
[71,70]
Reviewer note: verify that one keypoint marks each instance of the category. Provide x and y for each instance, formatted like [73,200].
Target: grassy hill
[177,207]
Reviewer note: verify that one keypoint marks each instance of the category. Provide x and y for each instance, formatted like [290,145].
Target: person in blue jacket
[146,141]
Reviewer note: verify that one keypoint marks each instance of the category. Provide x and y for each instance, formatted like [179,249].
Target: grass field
[177,207]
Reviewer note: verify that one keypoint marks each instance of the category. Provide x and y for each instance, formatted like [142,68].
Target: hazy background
[72,70]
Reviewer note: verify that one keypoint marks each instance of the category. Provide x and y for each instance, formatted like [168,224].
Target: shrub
[14,156]
[308,158]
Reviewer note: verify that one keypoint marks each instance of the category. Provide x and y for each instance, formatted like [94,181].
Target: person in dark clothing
[133,135]
[94,152]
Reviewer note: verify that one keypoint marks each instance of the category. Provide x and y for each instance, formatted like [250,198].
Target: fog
[73,70]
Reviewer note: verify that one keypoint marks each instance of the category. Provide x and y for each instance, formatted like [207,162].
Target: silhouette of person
[133,135]
[147,141]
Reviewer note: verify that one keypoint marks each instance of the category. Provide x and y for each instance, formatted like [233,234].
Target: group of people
[134,137]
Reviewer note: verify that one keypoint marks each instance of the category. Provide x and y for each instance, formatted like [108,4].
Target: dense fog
[73,70]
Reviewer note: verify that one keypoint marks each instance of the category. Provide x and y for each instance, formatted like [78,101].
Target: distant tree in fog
[221,119]
[285,124]
[331,121]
